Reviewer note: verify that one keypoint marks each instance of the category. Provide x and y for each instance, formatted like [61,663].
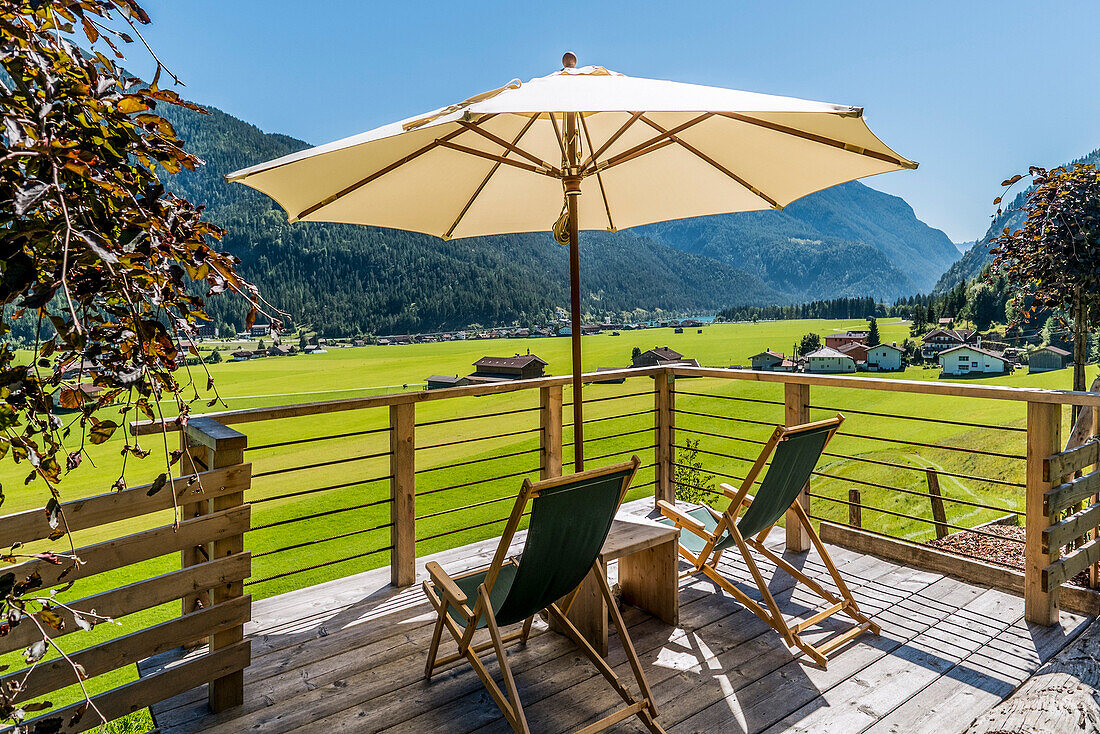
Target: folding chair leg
[526,629]
[517,720]
[645,708]
[433,649]
[778,623]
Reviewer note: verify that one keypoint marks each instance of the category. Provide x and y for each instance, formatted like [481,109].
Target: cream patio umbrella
[582,148]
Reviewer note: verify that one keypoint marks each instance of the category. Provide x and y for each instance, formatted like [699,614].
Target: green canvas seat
[570,519]
[705,534]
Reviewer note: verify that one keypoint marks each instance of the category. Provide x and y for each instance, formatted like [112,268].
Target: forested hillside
[340,279]
[977,257]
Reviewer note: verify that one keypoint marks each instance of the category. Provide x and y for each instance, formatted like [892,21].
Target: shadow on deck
[348,655]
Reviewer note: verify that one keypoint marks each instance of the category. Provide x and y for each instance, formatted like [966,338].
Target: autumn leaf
[102,431]
[52,618]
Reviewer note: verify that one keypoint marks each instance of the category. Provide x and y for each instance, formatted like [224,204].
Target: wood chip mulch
[1006,550]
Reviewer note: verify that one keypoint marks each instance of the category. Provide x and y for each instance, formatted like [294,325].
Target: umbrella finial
[569,60]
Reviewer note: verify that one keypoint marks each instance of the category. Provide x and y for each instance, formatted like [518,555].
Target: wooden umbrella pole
[575,306]
[572,185]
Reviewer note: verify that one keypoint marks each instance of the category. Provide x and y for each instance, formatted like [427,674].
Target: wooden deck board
[347,656]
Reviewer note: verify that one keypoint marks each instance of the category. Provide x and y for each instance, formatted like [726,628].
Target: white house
[828,359]
[884,358]
[967,360]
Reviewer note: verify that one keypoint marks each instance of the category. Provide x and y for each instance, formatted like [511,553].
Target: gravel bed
[1004,550]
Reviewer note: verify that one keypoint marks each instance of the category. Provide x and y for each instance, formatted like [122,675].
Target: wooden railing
[127,566]
[341,487]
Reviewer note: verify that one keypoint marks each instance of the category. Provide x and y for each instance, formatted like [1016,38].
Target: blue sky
[974,90]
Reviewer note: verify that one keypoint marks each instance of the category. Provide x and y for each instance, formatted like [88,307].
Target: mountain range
[850,240]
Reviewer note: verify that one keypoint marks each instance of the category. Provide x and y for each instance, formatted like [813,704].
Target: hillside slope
[970,265]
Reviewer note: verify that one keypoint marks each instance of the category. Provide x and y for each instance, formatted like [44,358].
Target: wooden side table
[648,577]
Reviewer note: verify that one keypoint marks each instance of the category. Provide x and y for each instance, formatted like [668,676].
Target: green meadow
[302,537]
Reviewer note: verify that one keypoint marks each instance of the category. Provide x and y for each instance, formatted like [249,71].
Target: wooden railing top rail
[957,389]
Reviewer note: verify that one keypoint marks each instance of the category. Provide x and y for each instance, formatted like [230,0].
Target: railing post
[550,401]
[1044,439]
[796,410]
[665,405]
[855,508]
[194,460]
[224,447]
[939,515]
[403,494]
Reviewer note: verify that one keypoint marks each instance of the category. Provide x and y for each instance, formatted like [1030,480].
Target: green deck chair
[794,452]
[570,519]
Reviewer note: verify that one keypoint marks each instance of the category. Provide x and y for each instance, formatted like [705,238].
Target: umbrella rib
[377,174]
[607,143]
[560,138]
[494,157]
[599,179]
[509,146]
[715,164]
[849,147]
[653,144]
[485,181]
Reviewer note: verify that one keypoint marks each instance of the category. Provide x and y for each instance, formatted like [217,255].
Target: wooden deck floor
[347,656]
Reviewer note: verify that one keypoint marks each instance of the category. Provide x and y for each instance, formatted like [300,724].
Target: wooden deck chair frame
[508,699]
[706,561]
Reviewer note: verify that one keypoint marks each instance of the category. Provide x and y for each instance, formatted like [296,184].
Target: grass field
[344,373]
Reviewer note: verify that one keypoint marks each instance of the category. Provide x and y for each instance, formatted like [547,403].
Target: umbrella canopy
[639,150]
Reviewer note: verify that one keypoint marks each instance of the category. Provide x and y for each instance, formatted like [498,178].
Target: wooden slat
[135,597]
[135,696]
[113,554]
[1068,462]
[111,507]
[967,390]
[1073,527]
[1067,494]
[1071,564]
[128,649]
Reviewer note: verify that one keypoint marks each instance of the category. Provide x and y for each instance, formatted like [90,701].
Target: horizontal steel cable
[588,401]
[292,442]
[466,507]
[315,490]
[921,419]
[909,467]
[478,481]
[468,527]
[477,438]
[913,517]
[477,461]
[619,453]
[316,515]
[679,411]
[590,439]
[612,417]
[925,495]
[345,460]
[879,462]
[983,452]
[729,397]
[305,543]
[455,419]
[314,567]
